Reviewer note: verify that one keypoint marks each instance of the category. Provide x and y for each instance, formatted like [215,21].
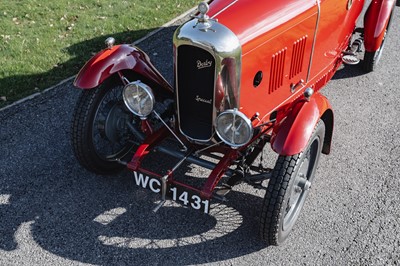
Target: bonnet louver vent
[298,57]
[277,68]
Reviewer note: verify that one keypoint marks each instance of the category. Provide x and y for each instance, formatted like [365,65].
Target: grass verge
[42,43]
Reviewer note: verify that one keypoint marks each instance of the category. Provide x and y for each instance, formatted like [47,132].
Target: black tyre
[288,188]
[371,59]
[100,135]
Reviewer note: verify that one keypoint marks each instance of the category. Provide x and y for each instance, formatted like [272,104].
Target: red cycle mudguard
[118,58]
[376,20]
[291,136]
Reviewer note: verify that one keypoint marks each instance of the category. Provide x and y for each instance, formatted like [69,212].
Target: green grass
[44,42]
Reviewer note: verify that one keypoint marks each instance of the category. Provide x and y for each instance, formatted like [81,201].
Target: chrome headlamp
[234,128]
[139,98]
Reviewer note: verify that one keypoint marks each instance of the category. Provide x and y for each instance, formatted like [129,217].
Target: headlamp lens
[234,128]
[139,98]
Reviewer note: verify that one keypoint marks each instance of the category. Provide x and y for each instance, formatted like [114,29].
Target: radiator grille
[195,91]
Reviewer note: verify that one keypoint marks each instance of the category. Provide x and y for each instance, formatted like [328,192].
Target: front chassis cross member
[152,142]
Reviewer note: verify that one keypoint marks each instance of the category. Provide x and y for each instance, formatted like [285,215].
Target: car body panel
[336,26]
[376,20]
[120,57]
[275,36]
[291,135]
[294,44]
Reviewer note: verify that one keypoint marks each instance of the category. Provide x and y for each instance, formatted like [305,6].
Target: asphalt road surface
[53,212]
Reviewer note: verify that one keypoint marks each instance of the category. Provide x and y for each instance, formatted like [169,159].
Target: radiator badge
[198,99]
[201,65]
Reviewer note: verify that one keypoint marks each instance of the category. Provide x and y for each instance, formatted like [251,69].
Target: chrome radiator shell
[207,67]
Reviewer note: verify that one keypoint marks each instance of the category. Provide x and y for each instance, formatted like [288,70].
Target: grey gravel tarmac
[54,212]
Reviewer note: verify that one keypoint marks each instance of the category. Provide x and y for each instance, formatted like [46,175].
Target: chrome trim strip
[225,8]
[314,41]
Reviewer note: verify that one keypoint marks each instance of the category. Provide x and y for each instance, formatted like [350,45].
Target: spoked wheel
[288,188]
[371,59]
[100,135]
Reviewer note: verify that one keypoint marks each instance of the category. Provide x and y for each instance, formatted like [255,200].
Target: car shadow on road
[349,71]
[79,216]
[115,224]
[51,205]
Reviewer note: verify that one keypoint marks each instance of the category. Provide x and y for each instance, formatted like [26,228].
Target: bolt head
[298,189]
[308,93]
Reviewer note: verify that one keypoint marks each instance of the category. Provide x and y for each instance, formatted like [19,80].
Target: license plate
[179,194]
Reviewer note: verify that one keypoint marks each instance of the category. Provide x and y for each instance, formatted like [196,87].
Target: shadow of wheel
[136,234]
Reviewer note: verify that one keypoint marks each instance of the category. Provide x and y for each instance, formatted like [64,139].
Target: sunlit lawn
[44,42]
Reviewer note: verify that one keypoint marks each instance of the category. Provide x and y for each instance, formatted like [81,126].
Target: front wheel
[100,135]
[288,188]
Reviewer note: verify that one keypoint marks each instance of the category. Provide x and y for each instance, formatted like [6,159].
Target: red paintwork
[276,25]
[146,146]
[118,58]
[146,127]
[376,20]
[292,134]
[268,32]
[218,172]
[271,27]
[261,19]
[213,179]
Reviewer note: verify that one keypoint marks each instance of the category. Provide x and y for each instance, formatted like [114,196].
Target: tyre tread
[272,205]
[369,63]
[275,194]
[80,129]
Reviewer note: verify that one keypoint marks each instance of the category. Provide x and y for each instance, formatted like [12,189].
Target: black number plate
[179,194]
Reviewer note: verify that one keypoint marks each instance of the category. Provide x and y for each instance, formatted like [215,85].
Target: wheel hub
[111,136]
[300,189]
[115,124]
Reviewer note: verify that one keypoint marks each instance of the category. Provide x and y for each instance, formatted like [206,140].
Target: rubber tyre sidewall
[82,132]
[272,225]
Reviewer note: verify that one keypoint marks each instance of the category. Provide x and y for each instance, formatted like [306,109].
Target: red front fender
[376,20]
[291,135]
[118,58]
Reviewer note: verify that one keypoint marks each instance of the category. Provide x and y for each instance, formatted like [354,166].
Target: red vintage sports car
[247,73]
